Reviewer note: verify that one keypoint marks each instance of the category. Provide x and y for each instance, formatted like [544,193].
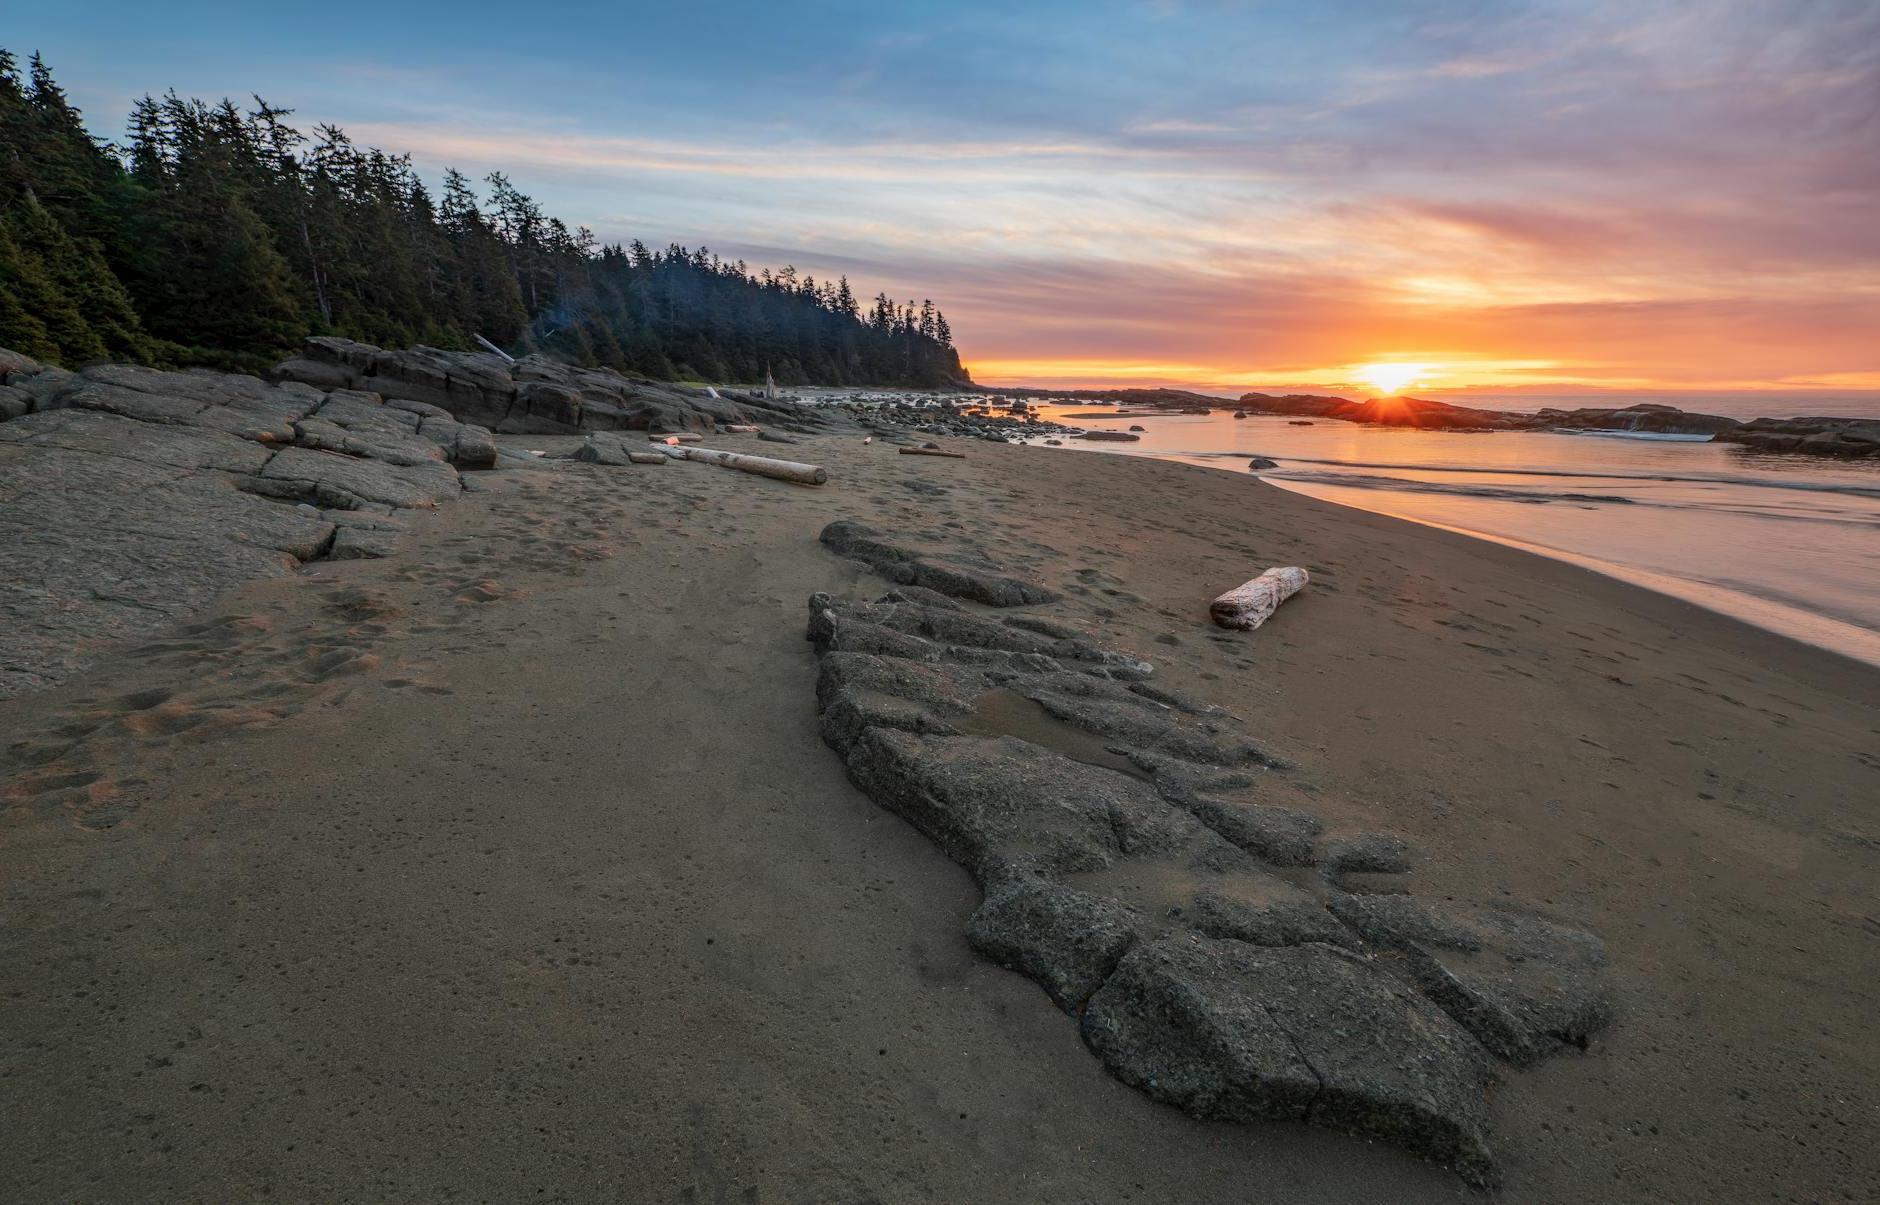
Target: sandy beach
[513,866]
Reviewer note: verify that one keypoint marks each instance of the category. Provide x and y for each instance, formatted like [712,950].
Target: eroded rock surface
[131,496]
[952,575]
[532,395]
[1221,953]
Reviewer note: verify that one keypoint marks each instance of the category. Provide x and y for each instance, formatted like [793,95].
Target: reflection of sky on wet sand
[1790,543]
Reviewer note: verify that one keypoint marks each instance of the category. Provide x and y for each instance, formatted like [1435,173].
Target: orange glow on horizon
[1391,379]
[1445,370]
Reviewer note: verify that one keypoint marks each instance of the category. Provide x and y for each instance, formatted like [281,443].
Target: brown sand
[513,867]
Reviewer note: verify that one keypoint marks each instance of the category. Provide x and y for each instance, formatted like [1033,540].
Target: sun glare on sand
[1391,379]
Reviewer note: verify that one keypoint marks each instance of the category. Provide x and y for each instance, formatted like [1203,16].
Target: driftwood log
[932,452]
[646,458]
[1250,604]
[677,437]
[763,466]
[740,429]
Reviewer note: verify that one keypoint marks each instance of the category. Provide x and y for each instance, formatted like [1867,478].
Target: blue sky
[1528,193]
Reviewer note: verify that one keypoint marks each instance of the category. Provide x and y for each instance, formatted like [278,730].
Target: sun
[1390,377]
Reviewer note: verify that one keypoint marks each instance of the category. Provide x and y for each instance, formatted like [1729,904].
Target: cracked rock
[1129,867]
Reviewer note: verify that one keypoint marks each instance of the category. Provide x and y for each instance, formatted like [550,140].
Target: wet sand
[514,866]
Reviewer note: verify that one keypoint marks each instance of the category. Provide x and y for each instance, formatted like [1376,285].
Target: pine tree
[231,235]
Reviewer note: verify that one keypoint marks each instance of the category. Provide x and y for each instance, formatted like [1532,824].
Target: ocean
[1790,543]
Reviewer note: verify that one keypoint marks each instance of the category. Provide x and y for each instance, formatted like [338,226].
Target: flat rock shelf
[1219,953]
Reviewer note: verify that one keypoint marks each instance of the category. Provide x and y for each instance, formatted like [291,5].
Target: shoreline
[564,855]
[1817,628]
[1826,633]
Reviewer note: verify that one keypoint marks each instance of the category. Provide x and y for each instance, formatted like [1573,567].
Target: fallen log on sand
[740,429]
[646,458]
[1250,604]
[677,437]
[763,466]
[1116,435]
[932,452]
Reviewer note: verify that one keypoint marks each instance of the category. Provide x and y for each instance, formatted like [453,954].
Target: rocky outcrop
[1850,438]
[130,496]
[1644,417]
[1220,953]
[532,395]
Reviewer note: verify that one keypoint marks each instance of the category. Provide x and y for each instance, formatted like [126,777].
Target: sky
[1545,196]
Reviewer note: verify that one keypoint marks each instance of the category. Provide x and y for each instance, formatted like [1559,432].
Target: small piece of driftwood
[677,437]
[763,466]
[646,458]
[1251,604]
[932,452]
[488,346]
[740,429]
[1116,436]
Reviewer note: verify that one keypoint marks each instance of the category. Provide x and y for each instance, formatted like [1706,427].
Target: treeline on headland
[220,235]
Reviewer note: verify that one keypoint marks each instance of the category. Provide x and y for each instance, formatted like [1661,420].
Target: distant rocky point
[1850,437]
[1422,412]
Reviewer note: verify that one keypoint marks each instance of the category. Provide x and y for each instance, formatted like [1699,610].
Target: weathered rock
[902,564]
[136,495]
[99,546]
[1067,941]
[12,362]
[115,436]
[532,395]
[601,450]
[329,479]
[1130,869]
[1308,1033]
[1525,986]
[360,543]
[1264,911]
[1368,853]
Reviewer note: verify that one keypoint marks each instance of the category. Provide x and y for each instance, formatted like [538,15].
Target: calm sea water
[1786,542]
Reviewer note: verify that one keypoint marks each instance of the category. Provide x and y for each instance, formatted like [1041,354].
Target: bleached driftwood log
[932,452]
[763,466]
[740,429]
[677,437]
[1250,604]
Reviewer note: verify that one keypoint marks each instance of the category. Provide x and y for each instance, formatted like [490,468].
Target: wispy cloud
[1586,192]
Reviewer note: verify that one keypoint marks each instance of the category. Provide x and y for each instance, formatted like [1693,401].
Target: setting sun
[1389,379]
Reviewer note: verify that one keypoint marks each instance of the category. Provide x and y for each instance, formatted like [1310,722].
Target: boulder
[12,362]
